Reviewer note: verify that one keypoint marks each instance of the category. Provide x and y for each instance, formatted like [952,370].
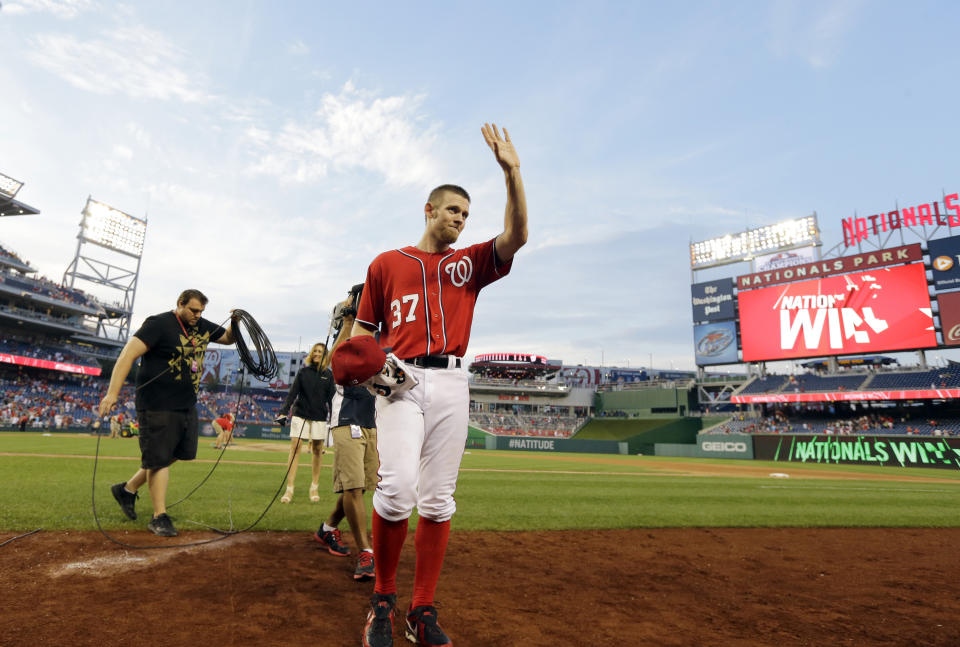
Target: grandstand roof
[12,263]
[13,207]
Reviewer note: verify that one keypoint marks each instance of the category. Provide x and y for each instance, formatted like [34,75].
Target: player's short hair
[307,360]
[186,295]
[443,188]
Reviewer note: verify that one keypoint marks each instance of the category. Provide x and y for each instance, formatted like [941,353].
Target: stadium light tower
[745,245]
[8,191]
[109,250]
[8,186]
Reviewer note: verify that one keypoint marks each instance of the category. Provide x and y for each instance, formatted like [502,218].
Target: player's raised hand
[502,147]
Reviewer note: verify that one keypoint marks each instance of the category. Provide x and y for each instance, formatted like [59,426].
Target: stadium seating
[862,425]
[504,424]
[51,353]
[939,378]
[59,400]
[766,384]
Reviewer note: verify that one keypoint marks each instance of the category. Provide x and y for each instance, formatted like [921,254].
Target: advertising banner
[222,366]
[950,317]
[556,445]
[712,300]
[581,376]
[780,260]
[882,310]
[715,343]
[905,451]
[849,396]
[945,262]
[724,446]
[45,363]
[857,262]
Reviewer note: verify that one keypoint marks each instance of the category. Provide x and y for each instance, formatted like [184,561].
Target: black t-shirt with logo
[170,370]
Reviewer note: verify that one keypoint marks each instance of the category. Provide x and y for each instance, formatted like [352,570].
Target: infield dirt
[672,587]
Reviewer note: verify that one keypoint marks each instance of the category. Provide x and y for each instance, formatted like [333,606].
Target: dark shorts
[167,436]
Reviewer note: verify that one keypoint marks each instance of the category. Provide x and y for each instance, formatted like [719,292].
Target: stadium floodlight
[111,228]
[743,246]
[8,186]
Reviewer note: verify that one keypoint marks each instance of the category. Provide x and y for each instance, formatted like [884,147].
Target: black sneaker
[126,500]
[162,525]
[331,539]
[422,627]
[378,632]
[365,568]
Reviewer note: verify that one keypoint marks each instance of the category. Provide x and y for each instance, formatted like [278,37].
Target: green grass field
[46,483]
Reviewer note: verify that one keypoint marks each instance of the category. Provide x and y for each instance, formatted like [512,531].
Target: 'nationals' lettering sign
[858,229]
[868,260]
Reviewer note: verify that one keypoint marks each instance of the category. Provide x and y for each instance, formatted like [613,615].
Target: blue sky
[276,148]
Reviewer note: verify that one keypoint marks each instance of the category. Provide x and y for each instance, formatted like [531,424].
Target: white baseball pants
[421,436]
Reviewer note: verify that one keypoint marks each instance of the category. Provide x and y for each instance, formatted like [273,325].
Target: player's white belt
[435,361]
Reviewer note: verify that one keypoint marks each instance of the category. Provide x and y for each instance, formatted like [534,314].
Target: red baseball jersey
[423,303]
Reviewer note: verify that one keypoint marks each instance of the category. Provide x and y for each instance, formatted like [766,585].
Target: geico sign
[723,447]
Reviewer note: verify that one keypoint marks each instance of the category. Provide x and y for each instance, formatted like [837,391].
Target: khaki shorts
[355,461]
[308,429]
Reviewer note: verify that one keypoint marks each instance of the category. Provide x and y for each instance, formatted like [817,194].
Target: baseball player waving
[421,300]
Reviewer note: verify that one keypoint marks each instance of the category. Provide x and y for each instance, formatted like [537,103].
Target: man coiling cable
[172,345]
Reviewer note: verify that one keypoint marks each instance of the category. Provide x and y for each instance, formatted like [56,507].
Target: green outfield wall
[642,434]
[524,443]
[477,438]
[647,401]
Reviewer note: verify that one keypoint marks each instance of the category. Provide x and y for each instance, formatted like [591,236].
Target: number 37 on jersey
[423,303]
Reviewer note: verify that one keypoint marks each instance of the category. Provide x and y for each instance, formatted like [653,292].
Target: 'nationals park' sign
[867,260]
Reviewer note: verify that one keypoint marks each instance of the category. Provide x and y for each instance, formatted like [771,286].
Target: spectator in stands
[310,396]
[172,345]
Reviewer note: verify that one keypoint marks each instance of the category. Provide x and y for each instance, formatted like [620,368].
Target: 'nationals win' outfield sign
[882,310]
[903,451]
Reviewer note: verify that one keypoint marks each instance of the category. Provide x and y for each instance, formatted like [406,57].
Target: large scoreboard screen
[880,310]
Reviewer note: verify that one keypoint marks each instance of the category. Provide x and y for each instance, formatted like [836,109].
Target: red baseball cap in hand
[357,360]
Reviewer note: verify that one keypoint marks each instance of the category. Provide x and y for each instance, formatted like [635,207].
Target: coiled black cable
[266,366]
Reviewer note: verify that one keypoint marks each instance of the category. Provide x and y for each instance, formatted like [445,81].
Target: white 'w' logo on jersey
[460,272]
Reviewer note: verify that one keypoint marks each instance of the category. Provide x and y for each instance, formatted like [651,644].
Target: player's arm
[361,329]
[134,349]
[368,310]
[514,234]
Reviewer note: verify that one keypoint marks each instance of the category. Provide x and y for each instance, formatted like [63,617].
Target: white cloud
[351,130]
[59,8]
[298,48]
[139,134]
[134,61]
[121,151]
[814,31]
